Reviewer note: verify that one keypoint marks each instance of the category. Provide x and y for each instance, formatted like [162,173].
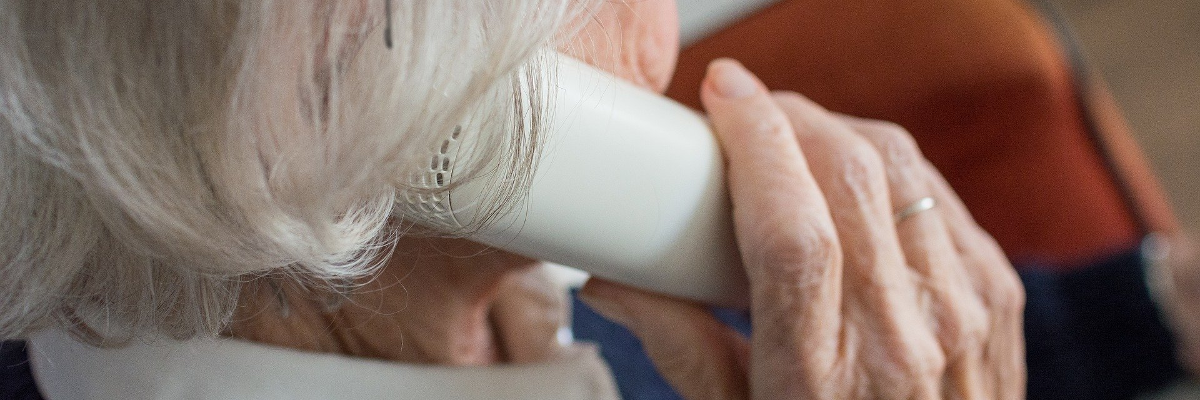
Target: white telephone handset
[630,188]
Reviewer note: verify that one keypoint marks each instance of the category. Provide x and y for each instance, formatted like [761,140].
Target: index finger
[787,239]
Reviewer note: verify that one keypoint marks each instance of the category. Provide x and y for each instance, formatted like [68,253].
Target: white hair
[154,152]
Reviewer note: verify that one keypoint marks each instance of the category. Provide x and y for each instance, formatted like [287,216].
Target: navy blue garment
[1095,333]
[16,379]
[635,375]
[1090,334]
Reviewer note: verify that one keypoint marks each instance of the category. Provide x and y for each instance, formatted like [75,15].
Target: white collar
[232,369]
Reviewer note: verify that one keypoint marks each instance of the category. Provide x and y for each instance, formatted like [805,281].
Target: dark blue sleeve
[1093,333]
[16,379]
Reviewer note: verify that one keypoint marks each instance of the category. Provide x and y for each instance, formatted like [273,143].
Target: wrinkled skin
[434,302]
[846,303]
[438,301]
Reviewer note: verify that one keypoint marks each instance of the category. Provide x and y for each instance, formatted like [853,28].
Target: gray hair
[152,153]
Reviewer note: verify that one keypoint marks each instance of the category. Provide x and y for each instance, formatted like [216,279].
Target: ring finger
[952,307]
[1000,289]
[961,318]
[851,175]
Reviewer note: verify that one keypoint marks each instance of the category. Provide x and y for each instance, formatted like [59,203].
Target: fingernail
[731,79]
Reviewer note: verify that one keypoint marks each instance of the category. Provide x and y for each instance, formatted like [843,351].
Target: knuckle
[981,248]
[972,327]
[988,243]
[773,125]
[861,166]
[1010,292]
[1003,292]
[932,364]
[1002,287]
[798,252]
[926,362]
[894,142]
[859,154]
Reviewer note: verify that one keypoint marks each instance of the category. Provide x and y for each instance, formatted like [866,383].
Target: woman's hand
[437,301]
[846,301]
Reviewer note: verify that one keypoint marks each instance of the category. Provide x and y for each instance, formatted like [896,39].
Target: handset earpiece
[630,187]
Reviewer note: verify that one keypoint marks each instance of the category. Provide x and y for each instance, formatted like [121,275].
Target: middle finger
[878,284]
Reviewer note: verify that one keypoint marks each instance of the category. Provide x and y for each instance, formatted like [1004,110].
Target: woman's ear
[635,40]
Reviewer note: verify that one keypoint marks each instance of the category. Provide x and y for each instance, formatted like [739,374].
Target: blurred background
[1149,53]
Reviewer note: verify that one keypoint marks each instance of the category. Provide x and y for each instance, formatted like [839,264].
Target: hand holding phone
[630,188]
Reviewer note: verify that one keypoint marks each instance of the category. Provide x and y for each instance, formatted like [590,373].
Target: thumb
[700,357]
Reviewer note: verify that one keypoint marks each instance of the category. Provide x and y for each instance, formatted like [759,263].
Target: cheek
[635,40]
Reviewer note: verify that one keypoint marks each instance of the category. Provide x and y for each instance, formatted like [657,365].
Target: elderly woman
[178,170]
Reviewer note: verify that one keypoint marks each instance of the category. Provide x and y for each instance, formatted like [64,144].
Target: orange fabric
[982,85]
[1131,164]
